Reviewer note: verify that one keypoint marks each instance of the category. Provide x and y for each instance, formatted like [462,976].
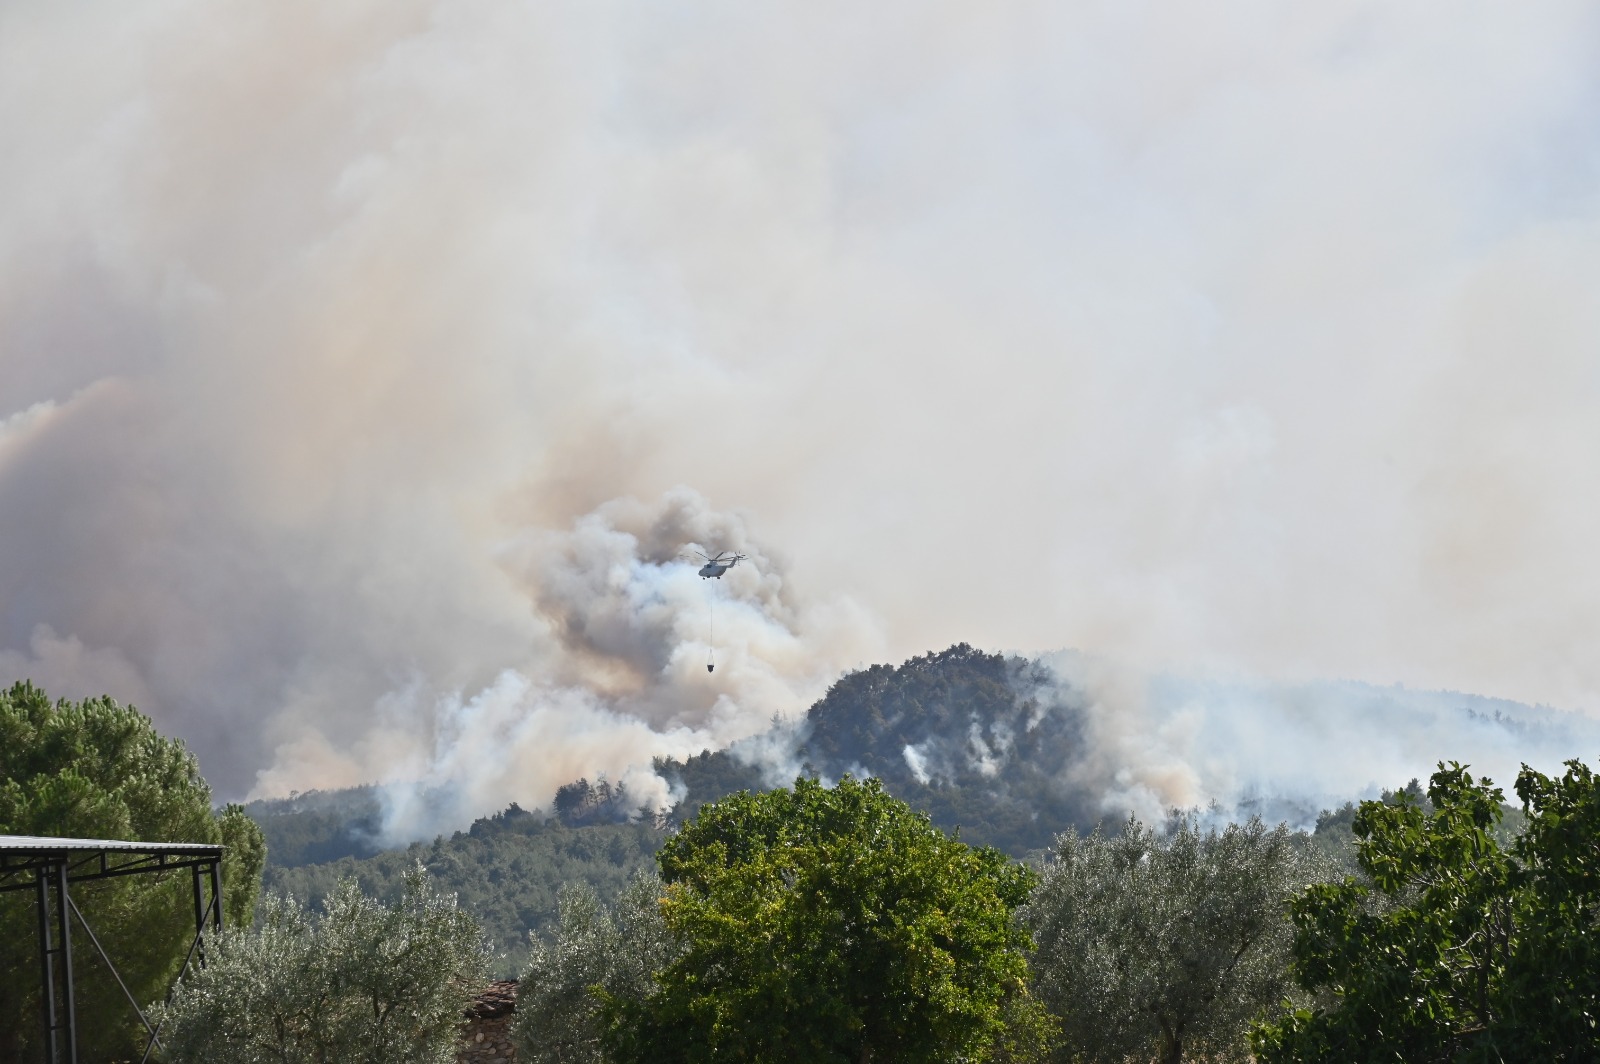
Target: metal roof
[43,844]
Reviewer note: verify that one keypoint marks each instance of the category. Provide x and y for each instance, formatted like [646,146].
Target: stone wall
[486,1034]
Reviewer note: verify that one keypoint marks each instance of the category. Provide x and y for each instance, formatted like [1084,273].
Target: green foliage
[1157,945]
[319,826]
[706,777]
[366,983]
[825,925]
[242,864]
[96,769]
[1456,948]
[1335,830]
[962,713]
[581,802]
[597,954]
[1028,1030]
[1412,977]
[1551,988]
[874,713]
[508,871]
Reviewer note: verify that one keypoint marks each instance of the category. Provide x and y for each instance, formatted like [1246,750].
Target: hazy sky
[363,366]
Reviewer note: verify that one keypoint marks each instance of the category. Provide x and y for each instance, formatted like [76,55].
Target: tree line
[837,923]
[840,925]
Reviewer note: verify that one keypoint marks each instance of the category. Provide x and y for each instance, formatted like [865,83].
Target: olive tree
[96,769]
[1165,944]
[598,955]
[363,982]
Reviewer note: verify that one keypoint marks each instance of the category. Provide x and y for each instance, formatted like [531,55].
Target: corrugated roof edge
[39,843]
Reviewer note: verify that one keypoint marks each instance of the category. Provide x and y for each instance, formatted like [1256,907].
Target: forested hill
[990,744]
[507,870]
[1003,748]
[981,738]
[982,742]
[319,826]
[1012,752]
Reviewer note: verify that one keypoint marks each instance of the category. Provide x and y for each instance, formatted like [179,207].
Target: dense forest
[989,740]
[1435,924]
[983,743]
[320,826]
[507,870]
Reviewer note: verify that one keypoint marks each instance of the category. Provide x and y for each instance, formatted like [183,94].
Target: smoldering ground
[334,338]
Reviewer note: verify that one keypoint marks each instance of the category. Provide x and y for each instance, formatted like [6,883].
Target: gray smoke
[354,356]
[1155,742]
[623,678]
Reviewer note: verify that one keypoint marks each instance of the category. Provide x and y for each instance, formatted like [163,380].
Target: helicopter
[715,566]
[718,565]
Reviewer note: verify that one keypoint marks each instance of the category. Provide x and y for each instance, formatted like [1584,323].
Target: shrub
[1165,945]
[598,955]
[363,983]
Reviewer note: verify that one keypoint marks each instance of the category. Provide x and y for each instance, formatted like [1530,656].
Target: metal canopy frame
[48,867]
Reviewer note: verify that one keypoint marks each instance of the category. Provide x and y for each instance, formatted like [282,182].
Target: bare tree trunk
[1171,1045]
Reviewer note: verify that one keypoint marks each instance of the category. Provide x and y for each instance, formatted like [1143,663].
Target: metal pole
[182,971]
[47,985]
[199,919]
[112,968]
[64,922]
[216,897]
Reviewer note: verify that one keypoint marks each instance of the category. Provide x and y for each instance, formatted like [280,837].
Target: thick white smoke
[615,675]
[1156,742]
[335,335]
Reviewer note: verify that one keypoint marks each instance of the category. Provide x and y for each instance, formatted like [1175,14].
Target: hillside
[507,870]
[997,747]
[1012,751]
[982,742]
[319,826]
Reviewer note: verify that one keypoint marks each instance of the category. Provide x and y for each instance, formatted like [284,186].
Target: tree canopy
[508,871]
[1551,987]
[1153,945]
[976,740]
[598,954]
[97,769]
[830,924]
[1455,947]
[364,983]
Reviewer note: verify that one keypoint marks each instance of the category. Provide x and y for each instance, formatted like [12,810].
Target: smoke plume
[366,364]
[1153,742]
[626,626]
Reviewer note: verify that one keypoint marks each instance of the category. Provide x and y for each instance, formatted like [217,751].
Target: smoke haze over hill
[364,366]
[1013,751]
[1152,742]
